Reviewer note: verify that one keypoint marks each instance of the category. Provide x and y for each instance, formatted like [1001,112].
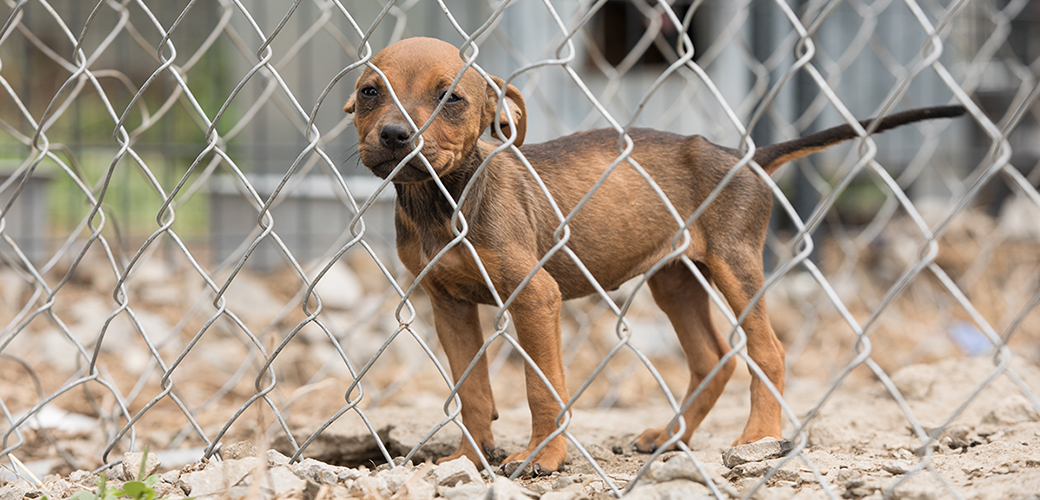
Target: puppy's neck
[425,204]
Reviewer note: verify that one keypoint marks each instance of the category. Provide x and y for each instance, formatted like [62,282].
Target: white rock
[755,452]
[1014,409]
[218,477]
[670,489]
[132,465]
[458,471]
[504,489]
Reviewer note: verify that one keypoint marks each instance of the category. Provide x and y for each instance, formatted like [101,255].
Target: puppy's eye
[369,92]
[453,98]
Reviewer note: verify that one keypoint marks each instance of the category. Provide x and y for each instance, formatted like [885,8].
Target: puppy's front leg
[458,328]
[536,314]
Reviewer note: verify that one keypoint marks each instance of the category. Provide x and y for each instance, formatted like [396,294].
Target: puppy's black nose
[394,136]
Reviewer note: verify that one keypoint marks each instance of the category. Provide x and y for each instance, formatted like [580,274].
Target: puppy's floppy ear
[514,108]
[349,107]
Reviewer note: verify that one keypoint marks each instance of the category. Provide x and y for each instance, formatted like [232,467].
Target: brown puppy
[622,230]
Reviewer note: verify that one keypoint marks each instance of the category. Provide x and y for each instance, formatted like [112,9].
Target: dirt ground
[860,442]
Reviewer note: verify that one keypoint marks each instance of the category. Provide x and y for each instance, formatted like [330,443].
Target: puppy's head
[420,70]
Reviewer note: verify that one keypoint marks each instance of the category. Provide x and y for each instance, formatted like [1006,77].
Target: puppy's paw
[652,439]
[545,463]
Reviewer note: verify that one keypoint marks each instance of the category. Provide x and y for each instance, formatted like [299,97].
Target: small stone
[283,481]
[762,449]
[750,469]
[396,478]
[58,488]
[316,471]
[454,472]
[896,467]
[217,477]
[1014,409]
[562,482]
[275,459]
[678,467]
[571,493]
[80,476]
[345,474]
[416,490]
[471,491]
[669,489]
[170,476]
[239,450]
[132,465]
[504,489]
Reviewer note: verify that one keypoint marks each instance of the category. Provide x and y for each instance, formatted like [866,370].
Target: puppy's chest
[454,271]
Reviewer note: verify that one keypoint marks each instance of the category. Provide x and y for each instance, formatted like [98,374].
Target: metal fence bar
[210,77]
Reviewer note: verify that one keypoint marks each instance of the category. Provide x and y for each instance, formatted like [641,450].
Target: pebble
[132,465]
[458,471]
[1014,409]
[679,467]
[669,489]
[218,477]
[471,491]
[762,449]
[239,450]
[504,489]
[897,467]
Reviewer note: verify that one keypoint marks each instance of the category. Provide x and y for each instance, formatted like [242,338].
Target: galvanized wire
[730,82]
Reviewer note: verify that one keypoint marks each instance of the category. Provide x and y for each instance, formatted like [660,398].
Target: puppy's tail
[773,156]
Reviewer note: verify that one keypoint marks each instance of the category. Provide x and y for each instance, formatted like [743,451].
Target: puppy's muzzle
[394,136]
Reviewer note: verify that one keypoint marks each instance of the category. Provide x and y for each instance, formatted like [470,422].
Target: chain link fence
[193,255]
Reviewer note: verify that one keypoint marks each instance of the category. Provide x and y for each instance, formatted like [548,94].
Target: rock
[504,489]
[280,480]
[313,470]
[218,477]
[419,490]
[787,471]
[471,491]
[562,482]
[960,437]
[345,474]
[897,467]
[750,469]
[572,492]
[678,467]
[458,471]
[239,450]
[170,476]
[58,488]
[82,477]
[132,465]
[670,489]
[275,459]
[755,452]
[397,477]
[1014,409]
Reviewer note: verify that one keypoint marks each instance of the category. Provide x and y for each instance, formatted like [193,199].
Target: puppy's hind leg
[739,275]
[681,297]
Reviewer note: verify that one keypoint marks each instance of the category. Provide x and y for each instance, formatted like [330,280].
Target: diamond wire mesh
[147,117]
